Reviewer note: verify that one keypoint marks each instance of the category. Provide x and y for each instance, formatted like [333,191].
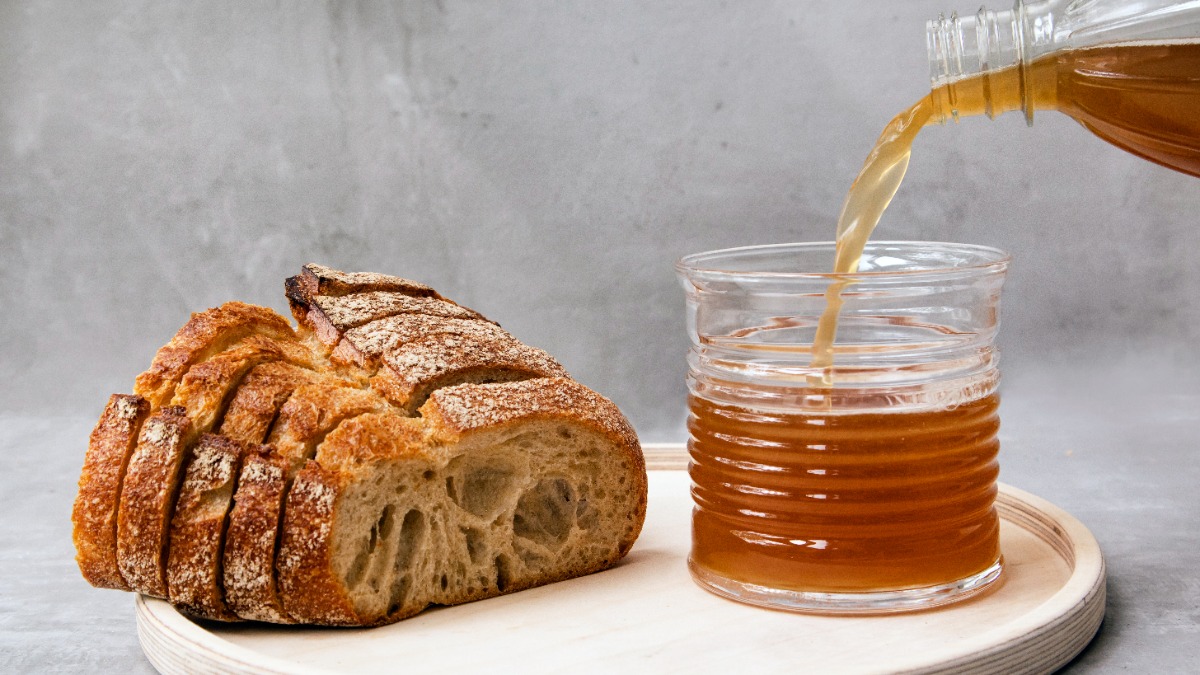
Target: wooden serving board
[646,615]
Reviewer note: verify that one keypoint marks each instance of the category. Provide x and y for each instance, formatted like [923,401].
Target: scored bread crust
[205,334]
[95,511]
[194,560]
[262,392]
[329,317]
[386,380]
[421,366]
[315,280]
[365,345]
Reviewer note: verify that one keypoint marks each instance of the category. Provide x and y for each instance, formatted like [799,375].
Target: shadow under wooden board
[646,615]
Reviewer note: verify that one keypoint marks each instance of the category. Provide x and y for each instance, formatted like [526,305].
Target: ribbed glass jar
[868,488]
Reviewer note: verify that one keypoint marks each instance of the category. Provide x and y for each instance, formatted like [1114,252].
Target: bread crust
[315,280]
[194,559]
[94,515]
[205,334]
[330,316]
[208,387]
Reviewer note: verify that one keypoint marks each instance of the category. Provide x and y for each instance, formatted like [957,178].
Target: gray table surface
[1112,443]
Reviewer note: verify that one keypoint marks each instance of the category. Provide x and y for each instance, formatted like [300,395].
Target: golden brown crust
[455,411]
[148,500]
[371,437]
[207,387]
[204,335]
[95,512]
[194,559]
[310,590]
[312,412]
[350,311]
[249,557]
[261,394]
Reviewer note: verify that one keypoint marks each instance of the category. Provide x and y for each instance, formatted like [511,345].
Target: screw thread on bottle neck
[962,47]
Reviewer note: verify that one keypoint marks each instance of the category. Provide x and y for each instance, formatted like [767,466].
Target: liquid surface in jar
[844,503]
[1141,97]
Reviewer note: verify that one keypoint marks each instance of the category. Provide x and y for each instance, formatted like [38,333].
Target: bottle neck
[980,64]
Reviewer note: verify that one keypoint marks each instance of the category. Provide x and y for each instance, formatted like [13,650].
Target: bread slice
[194,558]
[260,395]
[148,499]
[251,541]
[95,511]
[204,335]
[248,568]
[499,487]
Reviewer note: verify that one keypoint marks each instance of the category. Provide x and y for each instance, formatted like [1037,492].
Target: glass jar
[864,487]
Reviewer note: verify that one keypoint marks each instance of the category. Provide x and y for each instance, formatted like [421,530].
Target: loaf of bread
[395,451]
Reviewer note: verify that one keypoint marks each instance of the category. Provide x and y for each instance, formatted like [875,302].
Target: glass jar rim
[956,259]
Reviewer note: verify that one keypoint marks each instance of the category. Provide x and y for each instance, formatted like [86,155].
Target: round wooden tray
[647,615]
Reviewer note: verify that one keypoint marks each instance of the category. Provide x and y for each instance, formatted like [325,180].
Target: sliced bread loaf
[412,453]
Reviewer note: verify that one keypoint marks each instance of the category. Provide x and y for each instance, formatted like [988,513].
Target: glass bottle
[1128,71]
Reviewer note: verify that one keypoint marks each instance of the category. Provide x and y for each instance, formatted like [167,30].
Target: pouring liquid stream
[1141,97]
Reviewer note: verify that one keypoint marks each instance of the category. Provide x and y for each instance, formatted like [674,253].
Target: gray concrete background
[545,163]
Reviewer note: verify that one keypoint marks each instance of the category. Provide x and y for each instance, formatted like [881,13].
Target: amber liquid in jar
[835,502]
